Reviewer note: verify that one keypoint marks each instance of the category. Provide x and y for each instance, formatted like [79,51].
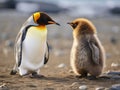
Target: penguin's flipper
[19,45]
[18,49]
[95,52]
[16,53]
[46,57]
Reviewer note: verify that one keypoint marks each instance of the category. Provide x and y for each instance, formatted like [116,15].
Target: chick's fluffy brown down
[87,53]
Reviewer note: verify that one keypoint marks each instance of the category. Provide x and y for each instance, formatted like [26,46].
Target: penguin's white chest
[34,47]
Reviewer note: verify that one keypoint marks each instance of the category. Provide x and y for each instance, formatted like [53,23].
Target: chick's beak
[53,22]
[69,23]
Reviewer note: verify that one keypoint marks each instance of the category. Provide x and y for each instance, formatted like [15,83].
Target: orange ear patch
[36,16]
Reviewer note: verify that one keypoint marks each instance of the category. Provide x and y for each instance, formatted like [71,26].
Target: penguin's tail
[14,70]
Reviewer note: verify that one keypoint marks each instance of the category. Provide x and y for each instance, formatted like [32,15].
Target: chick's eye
[74,25]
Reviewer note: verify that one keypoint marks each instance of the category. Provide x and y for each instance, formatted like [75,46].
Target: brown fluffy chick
[87,53]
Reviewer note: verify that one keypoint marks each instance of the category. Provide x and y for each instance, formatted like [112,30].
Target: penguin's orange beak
[53,22]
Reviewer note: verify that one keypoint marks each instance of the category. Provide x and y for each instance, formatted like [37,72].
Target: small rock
[83,87]
[115,87]
[113,40]
[4,87]
[113,73]
[100,88]
[62,65]
[115,77]
[75,84]
[114,65]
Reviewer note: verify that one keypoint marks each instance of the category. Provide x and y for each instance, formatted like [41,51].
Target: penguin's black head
[43,19]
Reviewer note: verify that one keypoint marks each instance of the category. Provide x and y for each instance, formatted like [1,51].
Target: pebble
[75,84]
[113,73]
[115,65]
[3,87]
[113,40]
[115,77]
[115,87]
[100,88]
[62,65]
[83,87]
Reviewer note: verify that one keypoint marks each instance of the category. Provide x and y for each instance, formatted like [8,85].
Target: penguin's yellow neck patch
[36,16]
[41,27]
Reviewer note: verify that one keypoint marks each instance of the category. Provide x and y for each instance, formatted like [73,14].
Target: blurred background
[105,14]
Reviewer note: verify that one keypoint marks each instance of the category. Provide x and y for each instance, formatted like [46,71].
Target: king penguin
[31,47]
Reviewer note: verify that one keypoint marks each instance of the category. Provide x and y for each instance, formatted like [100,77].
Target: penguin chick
[87,53]
[31,47]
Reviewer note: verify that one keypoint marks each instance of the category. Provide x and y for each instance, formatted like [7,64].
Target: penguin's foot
[80,76]
[13,72]
[35,75]
[83,75]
